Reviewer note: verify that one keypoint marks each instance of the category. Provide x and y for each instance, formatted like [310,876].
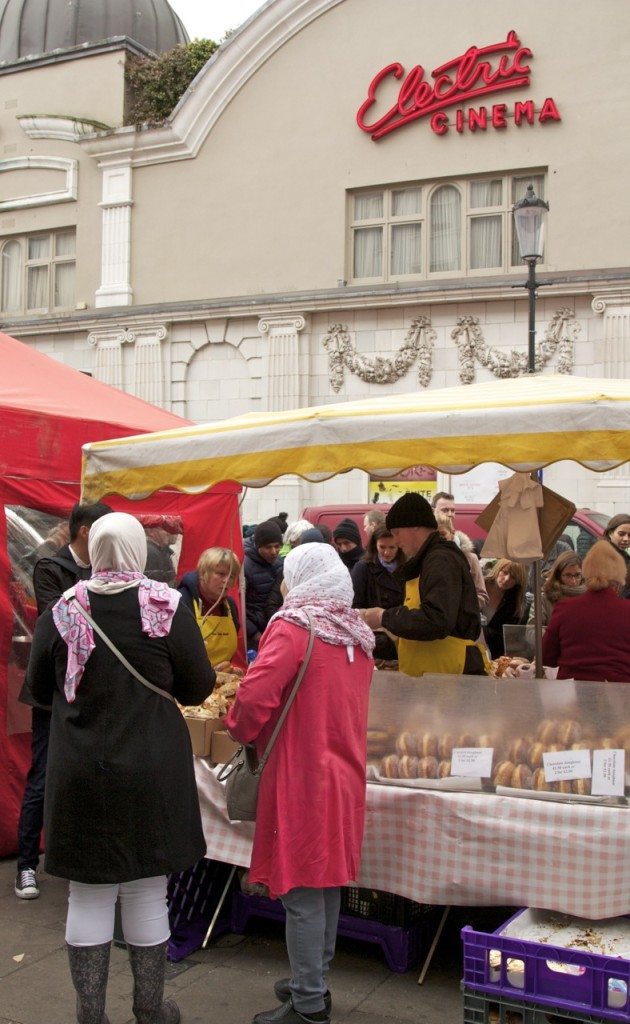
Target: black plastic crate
[485,1009]
[384,907]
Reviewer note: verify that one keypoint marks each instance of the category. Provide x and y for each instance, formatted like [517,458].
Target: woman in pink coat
[311,802]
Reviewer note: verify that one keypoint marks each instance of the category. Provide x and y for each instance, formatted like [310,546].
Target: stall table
[469,849]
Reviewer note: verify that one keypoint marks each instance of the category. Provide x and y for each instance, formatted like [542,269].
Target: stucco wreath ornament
[559,340]
[342,354]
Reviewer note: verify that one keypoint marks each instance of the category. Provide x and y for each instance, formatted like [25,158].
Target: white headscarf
[117,543]
[317,581]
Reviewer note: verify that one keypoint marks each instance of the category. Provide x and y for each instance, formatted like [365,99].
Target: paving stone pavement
[228,982]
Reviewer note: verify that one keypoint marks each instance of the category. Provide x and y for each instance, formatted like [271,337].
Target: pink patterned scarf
[157,607]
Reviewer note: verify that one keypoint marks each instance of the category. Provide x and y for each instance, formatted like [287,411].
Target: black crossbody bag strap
[120,655]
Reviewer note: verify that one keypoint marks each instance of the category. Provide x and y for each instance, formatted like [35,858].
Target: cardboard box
[223,747]
[201,730]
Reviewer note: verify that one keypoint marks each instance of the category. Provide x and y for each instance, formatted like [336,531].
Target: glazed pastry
[428,768]
[565,786]
[444,769]
[407,743]
[569,732]
[582,787]
[390,766]
[522,777]
[503,773]
[466,740]
[445,745]
[547,731]
[540,783]
[535,755]
[408,767]
[518,750]
[427,744]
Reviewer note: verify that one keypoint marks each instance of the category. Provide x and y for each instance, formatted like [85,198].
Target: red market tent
[47,412]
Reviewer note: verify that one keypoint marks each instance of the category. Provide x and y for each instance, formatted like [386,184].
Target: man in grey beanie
[438,625]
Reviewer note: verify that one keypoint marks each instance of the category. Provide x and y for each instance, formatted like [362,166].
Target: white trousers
[143,911]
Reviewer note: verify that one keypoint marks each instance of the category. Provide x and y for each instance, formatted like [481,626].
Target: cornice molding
[216,85]
[50,126]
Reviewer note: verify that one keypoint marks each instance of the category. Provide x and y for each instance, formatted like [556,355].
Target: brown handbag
[242,773]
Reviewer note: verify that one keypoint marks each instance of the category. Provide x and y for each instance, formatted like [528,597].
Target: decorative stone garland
[560,338]
[418,345]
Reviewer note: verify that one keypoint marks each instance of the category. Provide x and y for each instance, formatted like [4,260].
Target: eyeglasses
[571,575]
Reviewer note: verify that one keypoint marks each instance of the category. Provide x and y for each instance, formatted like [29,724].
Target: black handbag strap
[290,698]
[120,655]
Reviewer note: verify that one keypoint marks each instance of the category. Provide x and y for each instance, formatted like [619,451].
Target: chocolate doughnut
[427,744]
[540,783]
[569,732]
[518,750]
[408,767]
[522,777]
[535,755]
[582,787]
[503,773]
[428,768]
[445,746]
[407,744]
[444,769]
[467,740]
[547,731]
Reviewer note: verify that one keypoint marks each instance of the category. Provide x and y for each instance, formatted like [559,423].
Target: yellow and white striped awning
[524,423]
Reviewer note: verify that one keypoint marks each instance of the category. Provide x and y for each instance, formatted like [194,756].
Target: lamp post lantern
[529,219]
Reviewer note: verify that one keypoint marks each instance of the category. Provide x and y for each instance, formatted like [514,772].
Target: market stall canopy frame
[524,423]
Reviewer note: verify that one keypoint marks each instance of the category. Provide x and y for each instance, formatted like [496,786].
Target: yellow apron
[415,657]
[219,634]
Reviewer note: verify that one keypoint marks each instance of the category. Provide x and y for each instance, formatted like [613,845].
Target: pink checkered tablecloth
[469,849]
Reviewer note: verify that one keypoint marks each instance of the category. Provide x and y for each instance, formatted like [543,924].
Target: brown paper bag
[552,517]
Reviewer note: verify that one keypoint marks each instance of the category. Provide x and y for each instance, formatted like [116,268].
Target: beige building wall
[235,296]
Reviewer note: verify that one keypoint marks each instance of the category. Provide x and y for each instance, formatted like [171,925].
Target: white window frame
[51,262]
[468,215]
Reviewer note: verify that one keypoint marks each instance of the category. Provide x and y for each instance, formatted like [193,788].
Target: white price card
[608,772]
[562,765]
[472,762]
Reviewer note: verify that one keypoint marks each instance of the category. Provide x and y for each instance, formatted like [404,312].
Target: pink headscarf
[318,582]
[118,552]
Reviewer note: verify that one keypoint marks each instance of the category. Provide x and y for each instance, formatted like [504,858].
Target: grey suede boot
[148,964]
[89,967]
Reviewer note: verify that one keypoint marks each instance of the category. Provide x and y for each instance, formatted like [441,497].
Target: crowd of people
[116,647]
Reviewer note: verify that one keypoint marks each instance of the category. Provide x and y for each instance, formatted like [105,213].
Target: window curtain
[369,206]
[12,278]
[485,242]
[445,229]
[406,256]
[368,252]
[37,277]
[64,285]
[406,202]
[485,193]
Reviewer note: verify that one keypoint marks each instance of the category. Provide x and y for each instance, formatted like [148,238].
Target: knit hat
[267,533]
[347,529]
[281,520]
[312,536]
[411,510]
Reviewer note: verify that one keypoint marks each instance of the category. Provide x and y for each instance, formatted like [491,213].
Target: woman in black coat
[377,585]
[121,808]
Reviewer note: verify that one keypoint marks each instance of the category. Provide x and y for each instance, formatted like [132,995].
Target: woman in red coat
[311,802]
[588,637]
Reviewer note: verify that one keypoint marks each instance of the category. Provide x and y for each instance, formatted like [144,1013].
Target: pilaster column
[115,288]
[282,371]
[615,357]
[108,365]
[149,380]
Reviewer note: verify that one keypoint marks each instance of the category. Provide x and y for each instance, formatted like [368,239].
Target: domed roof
[33,27]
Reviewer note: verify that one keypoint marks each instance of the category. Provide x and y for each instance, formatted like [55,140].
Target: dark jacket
[262,591]
[351,557]
[375,587]
[121,799]
[506,614]
[51,577]
[189,589]
[449,605]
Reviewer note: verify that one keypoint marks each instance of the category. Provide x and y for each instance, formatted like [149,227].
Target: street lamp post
[529,218]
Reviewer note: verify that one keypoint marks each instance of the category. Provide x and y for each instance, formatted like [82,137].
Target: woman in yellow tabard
[205,593]
[438,626]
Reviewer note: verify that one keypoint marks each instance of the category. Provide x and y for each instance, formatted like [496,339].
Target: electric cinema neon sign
[477,73]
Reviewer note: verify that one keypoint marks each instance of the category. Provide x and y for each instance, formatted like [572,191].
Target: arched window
[446,229]
[11,273]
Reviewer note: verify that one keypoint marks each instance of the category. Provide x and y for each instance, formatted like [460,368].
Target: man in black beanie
[439,623]
[263,575]
[347,540]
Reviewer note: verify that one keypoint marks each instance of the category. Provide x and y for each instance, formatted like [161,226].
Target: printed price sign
[562,765]
[608,772]
[475,762]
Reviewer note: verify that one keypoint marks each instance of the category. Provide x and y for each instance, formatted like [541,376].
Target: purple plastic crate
[484,1009]
[597,985]
[401,946]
